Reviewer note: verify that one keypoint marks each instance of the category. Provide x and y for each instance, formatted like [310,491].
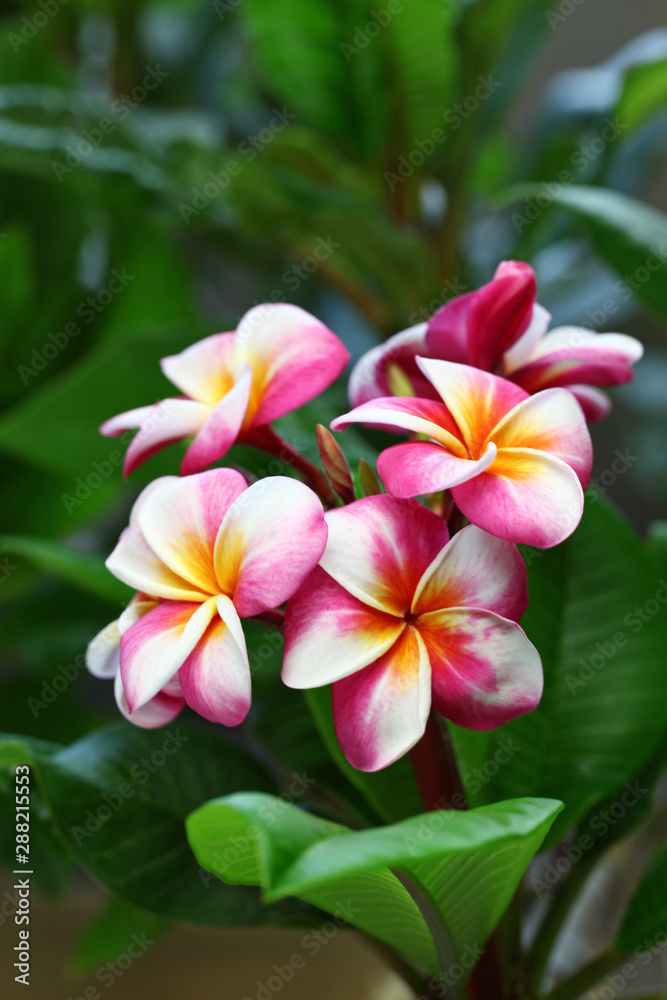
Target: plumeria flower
[203,552]
[516,464]
[502,329]
[279,358]
[400,619]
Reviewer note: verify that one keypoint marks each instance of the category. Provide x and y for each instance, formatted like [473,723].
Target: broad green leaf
[119,798]
[392,792]
[647,912]
[110,934]
[469,863]
[628,235]
[85,571]
[598,616]
[644,92]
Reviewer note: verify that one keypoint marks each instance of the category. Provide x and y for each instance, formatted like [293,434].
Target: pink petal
[135,563]
[526,496]
[420,467]
[475,570]
[380,712]
[204,371]
[500,313]
[485,672]
[181,523]
[551,421]
[159,711]
[379,547]
[527,344]
[127,421]
[595,404]
[330,634]
[168,421]
[476,400]
[572,355]
[369,376]
[421,416]
[293,358]
[215,678]
[271,538]
[221,429]
[154,648]
[477,328]
[153,487]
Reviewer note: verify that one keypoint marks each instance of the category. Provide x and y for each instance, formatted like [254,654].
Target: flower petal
[204,371]
[447,332]
[330,634]
[551,421]
[500,313]
[595,404]
[475,570]
[484,670]
[103,652]
[222,427]
[168,421]
[526,496]
[215,678]
[520,352]
[421,416]
[293,358]
[154,648]
[369,376]
[271,538]
[476,400]
[379,547]
[181,523]
[571,355]
[134,562]
[125,421]
[380,712]
[159,711]
[420,467]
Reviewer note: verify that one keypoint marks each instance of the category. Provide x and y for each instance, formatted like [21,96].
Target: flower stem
[267,439]
[436,771]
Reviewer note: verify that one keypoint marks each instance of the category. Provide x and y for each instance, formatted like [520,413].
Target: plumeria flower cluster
[379,596]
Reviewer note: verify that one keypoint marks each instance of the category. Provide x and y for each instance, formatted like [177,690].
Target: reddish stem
[435,767]
[268,439]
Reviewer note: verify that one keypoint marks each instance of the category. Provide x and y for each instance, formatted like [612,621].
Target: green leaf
[470,863]
[83,570]
[644,93]
[647,912]
[630,236]
[600,720]
[392,792]
[111,933]
[118,799]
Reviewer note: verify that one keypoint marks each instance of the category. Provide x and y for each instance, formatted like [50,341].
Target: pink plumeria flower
[400,619]
[203,552]
[279,358]
[502,329]
[517,465]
